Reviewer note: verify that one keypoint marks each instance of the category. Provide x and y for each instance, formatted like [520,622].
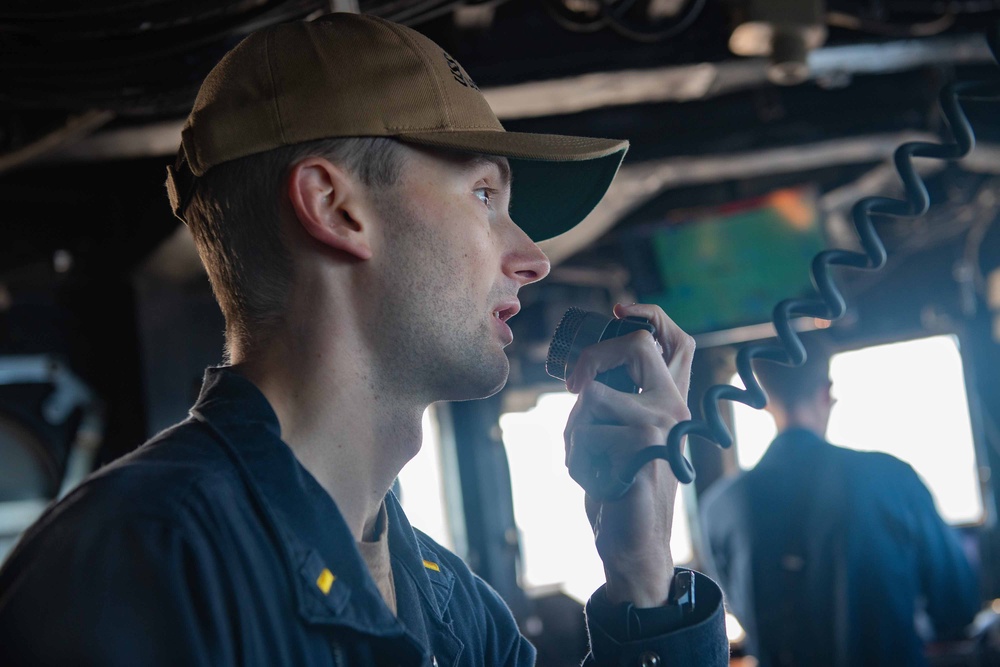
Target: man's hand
[633,534]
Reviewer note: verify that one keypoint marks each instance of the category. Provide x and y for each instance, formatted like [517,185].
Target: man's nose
[527,263]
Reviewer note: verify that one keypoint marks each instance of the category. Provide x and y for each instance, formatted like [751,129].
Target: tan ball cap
[352,75]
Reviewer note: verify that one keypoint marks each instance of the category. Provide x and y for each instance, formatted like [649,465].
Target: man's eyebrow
[501,163]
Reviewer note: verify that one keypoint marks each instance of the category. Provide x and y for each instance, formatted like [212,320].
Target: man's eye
[486,195]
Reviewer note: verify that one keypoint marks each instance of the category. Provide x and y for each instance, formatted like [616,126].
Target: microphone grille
[562,340]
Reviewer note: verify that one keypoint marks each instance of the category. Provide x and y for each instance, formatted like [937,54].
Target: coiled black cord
[830,305]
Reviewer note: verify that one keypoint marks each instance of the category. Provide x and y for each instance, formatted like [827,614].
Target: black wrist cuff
[626,623]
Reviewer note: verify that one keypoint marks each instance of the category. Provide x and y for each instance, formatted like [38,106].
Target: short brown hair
[234,216]
[790,386]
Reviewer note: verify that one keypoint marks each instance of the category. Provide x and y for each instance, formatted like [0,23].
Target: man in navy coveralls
[350,193]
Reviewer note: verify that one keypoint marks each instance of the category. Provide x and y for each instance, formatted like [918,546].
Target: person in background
[366,224]
[826,555]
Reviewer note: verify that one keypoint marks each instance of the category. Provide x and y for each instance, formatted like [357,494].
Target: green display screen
[727,268]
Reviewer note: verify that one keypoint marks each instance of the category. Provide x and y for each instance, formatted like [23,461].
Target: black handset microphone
[577,330]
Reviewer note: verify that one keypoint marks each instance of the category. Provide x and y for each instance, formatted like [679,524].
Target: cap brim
[558,179]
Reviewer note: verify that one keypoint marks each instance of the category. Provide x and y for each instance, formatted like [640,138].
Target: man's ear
[329,204]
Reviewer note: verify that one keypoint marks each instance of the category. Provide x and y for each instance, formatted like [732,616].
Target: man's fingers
[599,404]
[608,447]
[636,351]
[678,347]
